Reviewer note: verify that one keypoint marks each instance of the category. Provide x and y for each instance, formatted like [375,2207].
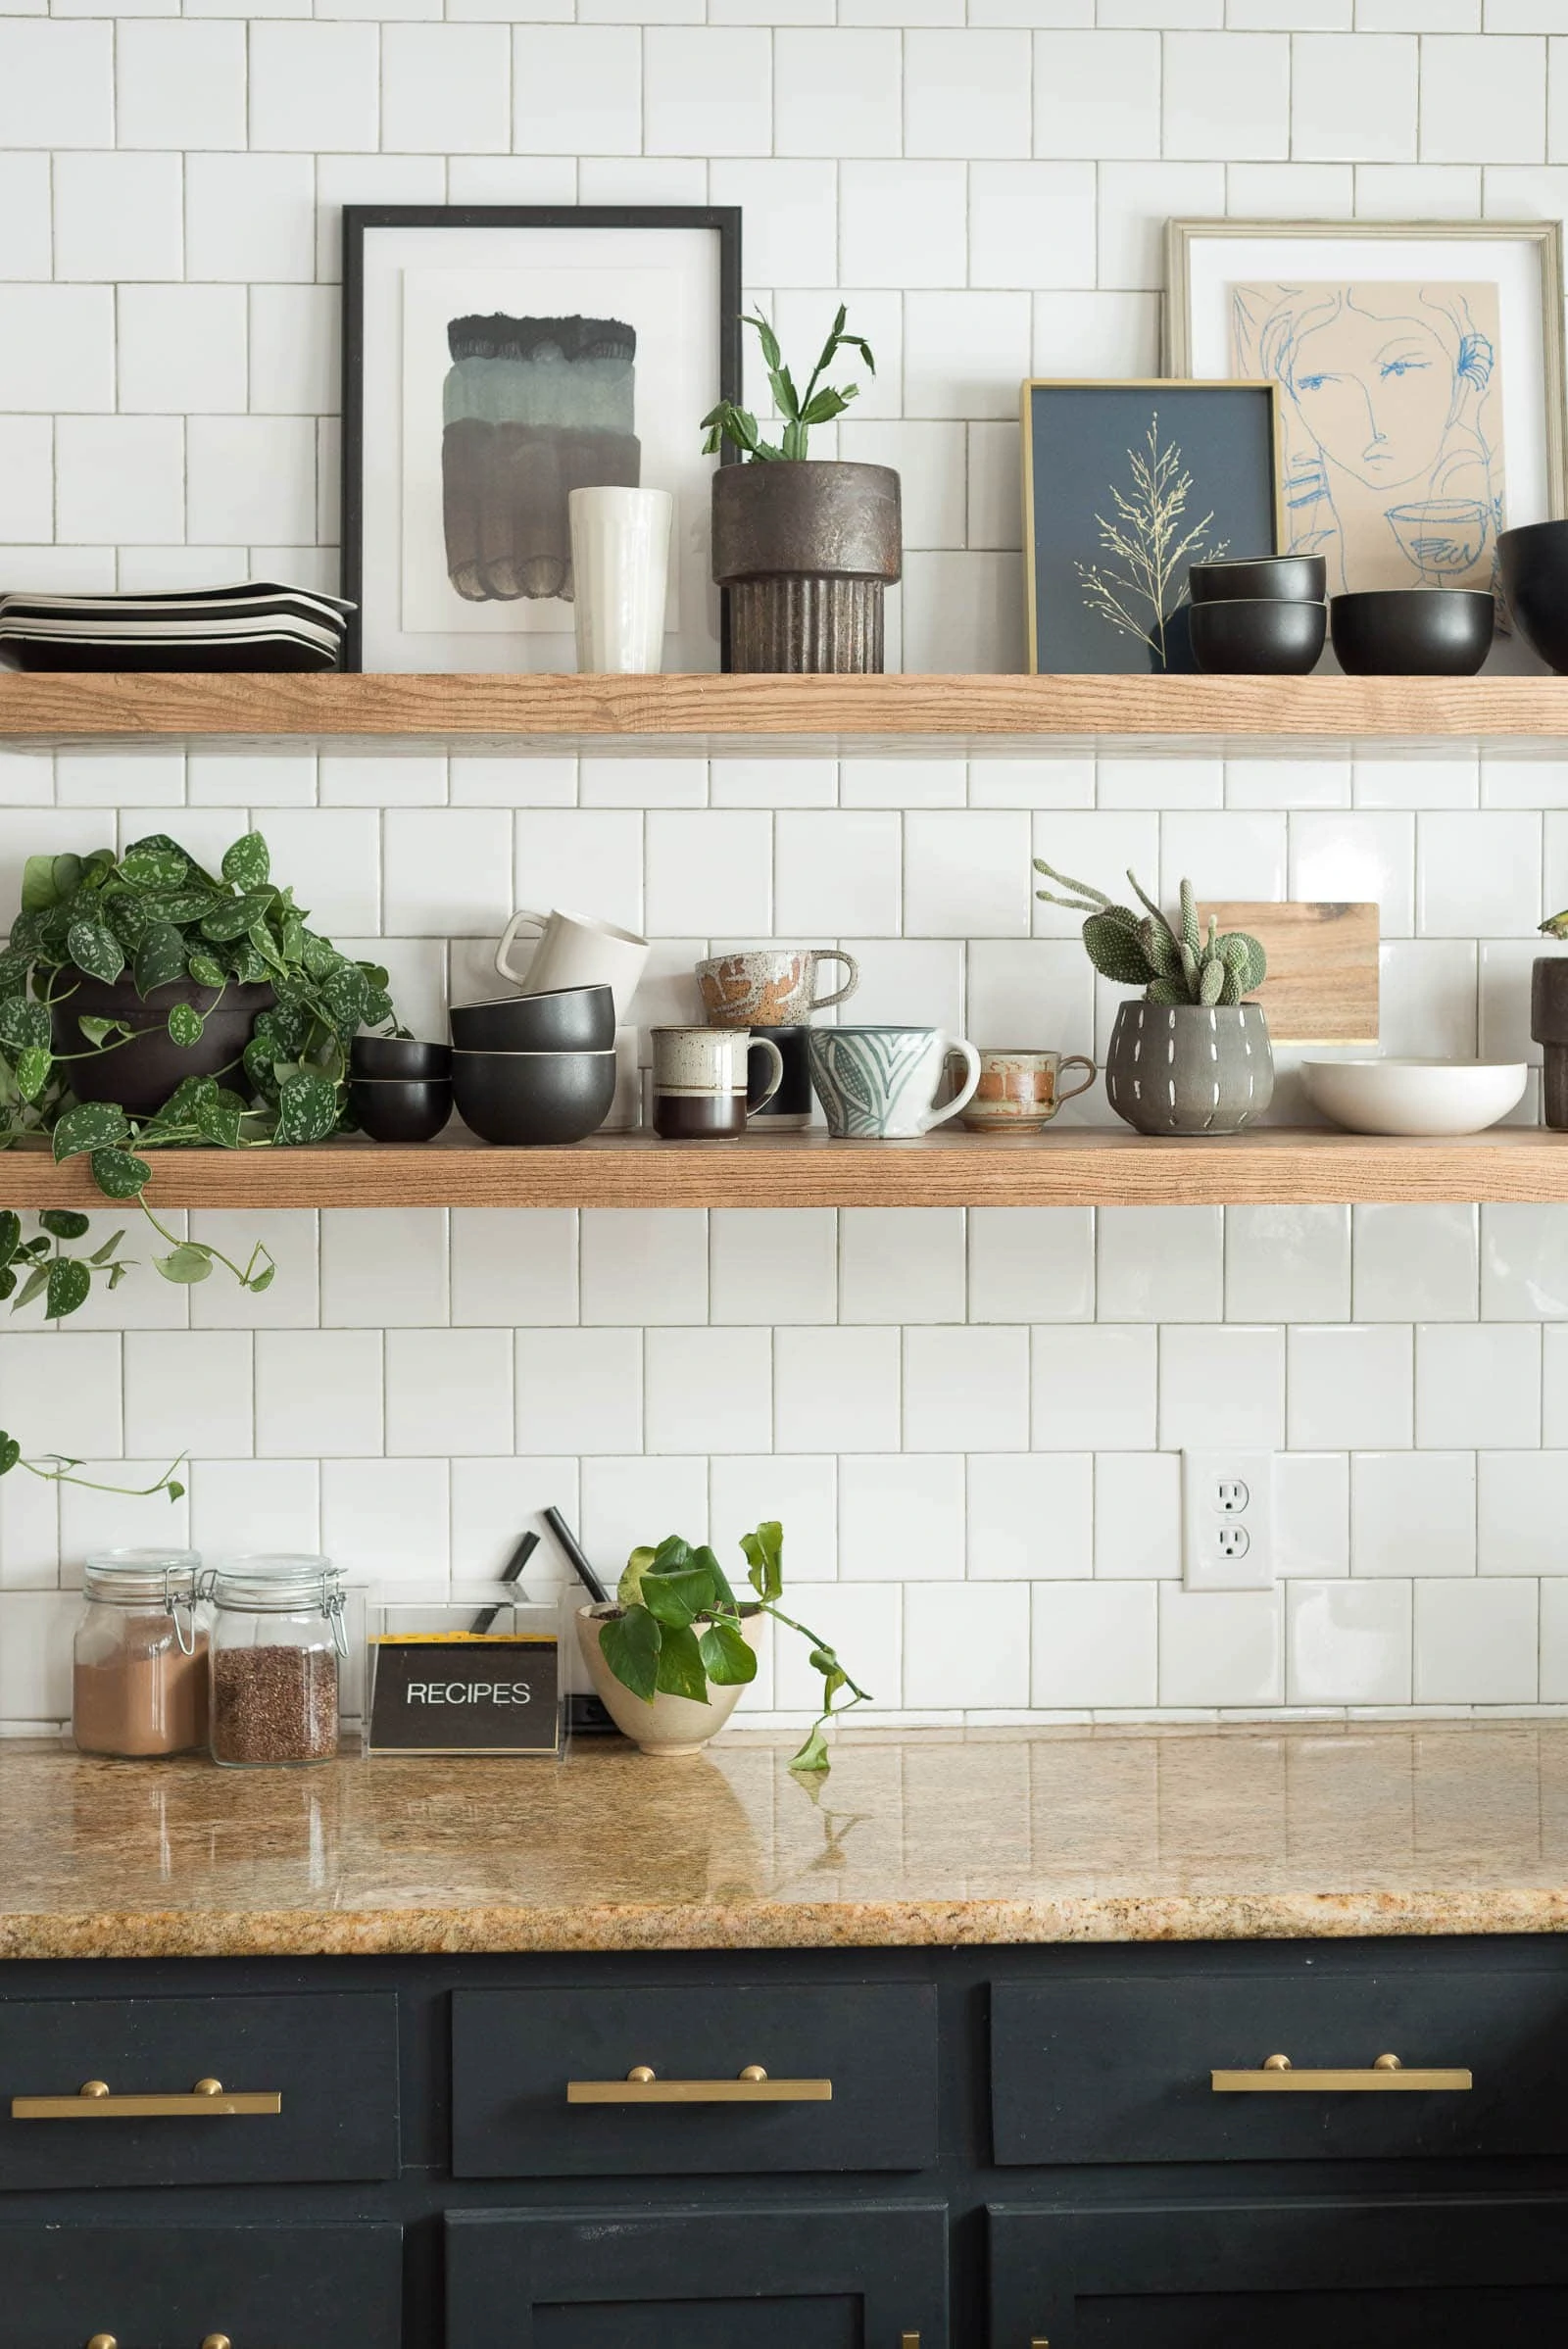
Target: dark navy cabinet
[1370,2275]
[989,2149]
[731,2275]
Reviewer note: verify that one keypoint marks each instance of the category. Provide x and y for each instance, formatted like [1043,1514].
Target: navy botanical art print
[1126,486]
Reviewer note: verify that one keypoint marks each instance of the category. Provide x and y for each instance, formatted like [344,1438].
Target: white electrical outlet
[1228,1520]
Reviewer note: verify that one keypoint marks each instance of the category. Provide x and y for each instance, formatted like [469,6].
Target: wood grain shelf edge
[835,715]
[1082,1167]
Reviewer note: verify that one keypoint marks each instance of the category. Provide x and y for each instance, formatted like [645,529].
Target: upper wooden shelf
[1070,1168]
[829,717]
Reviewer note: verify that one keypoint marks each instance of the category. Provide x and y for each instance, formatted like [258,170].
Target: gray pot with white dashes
[1188,1068]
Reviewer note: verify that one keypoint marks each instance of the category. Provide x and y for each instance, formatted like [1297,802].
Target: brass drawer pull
[1277,2075]
[93,2101]
[107,2340]
[751,2086]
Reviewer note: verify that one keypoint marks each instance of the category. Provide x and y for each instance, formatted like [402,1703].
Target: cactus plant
[1171,964]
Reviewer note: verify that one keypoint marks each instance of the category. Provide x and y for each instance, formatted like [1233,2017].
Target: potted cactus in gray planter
[805,546]
[1191,1056]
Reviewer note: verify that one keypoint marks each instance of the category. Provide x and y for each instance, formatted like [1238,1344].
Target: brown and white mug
[770,985]
[704,1083]
[1020,1090]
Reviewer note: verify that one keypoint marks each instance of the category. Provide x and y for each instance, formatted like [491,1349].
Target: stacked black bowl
[535,1068]
[1263,616]
[399,1089]
[1535,581]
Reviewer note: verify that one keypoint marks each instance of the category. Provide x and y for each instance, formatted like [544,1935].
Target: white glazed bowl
[1414,1097]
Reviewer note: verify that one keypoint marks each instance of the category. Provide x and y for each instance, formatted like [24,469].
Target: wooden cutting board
[1322,983]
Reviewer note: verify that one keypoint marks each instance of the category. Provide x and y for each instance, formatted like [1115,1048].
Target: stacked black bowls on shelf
[535,1068]
[1259,617]
[399,1089]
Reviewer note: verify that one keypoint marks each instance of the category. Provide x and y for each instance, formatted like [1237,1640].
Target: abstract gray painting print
[533,408]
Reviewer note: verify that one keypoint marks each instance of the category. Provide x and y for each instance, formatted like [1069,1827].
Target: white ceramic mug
[626,1109]
[575,951]
[620,565]
[879,1084]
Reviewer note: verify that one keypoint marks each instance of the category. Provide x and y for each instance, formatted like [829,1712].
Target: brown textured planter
[141,1076]
[806,549]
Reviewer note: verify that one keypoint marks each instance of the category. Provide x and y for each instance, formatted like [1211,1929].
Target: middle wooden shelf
[1073,1167]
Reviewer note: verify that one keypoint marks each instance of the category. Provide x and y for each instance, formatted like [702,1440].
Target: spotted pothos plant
[152,915]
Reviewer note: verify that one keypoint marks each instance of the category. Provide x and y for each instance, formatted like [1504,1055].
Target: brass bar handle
[107,2340]
[1277,2075]
[752,2085]
[208,2100]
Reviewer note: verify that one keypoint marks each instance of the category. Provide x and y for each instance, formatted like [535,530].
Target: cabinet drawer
[728,2276]
[1365,2275]
[514,2053]
[331,2060]
[157,2286]
[1117,2070]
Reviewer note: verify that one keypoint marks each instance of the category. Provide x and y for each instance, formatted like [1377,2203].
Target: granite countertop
[1255,1833]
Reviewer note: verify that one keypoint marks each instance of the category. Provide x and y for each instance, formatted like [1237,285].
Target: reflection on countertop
[1255,1831]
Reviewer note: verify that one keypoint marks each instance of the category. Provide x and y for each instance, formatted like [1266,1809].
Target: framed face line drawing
[1420,367]
[494,359]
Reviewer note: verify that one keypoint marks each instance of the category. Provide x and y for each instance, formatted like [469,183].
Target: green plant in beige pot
[669,1657]
[1191,1056]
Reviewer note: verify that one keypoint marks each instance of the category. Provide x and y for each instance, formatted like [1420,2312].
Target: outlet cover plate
[1228,1520]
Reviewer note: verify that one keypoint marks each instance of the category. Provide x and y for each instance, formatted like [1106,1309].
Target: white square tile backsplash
[969,1422]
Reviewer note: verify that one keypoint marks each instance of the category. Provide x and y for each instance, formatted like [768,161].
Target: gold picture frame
[1136,387]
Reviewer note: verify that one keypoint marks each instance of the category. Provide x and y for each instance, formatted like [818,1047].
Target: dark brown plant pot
[1548,1025]
[141,1076]
[805,549]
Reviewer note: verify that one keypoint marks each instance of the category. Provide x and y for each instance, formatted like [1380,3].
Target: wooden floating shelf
[1072,1168]
[827,718]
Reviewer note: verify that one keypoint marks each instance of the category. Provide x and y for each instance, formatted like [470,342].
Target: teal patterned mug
[879,1084]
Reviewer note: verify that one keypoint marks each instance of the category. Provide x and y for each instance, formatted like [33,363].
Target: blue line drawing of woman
[1392,425]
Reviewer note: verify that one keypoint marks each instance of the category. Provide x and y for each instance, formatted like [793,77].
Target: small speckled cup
[1020,1090]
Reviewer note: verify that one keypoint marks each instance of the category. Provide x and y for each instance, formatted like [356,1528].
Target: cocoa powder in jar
[148,1698]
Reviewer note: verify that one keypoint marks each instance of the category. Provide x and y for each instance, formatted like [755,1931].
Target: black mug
[790,1109]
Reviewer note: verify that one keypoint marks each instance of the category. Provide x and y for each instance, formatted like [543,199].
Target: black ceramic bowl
[519,1098]
[401,1108]
[1535,581]
[1412,631]
[378,1056]
[570,1019]
[1276,578]
[1259,638]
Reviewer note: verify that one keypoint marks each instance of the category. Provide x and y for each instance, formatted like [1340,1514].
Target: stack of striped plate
[256,625]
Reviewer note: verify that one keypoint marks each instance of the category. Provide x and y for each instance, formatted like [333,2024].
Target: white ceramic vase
[620,563]
[671,1725]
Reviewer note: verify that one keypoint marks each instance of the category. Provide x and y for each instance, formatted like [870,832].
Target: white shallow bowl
[1414,1097]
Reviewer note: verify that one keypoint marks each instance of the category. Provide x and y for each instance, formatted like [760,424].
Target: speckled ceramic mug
[1019,1091]
[702,1088]
[770,985]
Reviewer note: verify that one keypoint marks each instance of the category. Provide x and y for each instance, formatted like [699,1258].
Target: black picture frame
[722,219]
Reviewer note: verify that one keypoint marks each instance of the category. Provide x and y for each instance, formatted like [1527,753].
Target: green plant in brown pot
[805,546]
